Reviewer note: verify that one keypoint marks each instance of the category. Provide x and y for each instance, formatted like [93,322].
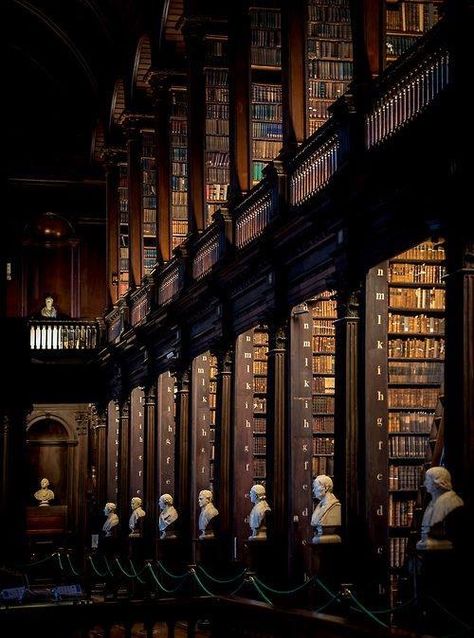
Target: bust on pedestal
[44,495]
[167,517]
[208,513]
[326,518]
[435,532]
[137,518]
[258,514]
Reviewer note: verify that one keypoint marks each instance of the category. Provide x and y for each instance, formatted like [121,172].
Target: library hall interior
[237,318]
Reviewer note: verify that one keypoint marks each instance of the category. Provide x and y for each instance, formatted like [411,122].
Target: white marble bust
[44,495]
[443,501]
[168,515]
[208,512]
[135,522]
[326,518]
[110,510]
[257,517]
[48,310]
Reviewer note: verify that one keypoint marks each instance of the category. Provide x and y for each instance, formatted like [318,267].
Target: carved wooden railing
[408,88]
[64,335]
[139,304]
[171,281]
[254,213]
[114,321]
[212,244]
[314,165]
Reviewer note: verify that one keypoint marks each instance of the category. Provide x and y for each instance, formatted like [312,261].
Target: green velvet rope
[221,581]
[283,592]
[163,568]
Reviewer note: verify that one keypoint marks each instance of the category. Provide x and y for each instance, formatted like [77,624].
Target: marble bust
[108,529]
[44,495]
[137,517]
[48,310]
[208,513]
[168,516]
[444,500]
[326,518]
[258,514]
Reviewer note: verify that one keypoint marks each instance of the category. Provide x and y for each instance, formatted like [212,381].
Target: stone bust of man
[48,310]
[110,526]
[326,518]
[137,517]
[168,515]
[44,495]
[208,513]
[258,514]
[435,531]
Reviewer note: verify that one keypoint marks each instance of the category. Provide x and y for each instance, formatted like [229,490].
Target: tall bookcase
[149,227]
[216,154]
[137,444]
[265,88]
[323,312]
[124,263]
[250,416]
[329,57]
[405,22]
[179,165]
[415,380]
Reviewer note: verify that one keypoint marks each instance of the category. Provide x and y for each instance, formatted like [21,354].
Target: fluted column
[278,442]
[347,452]
[151,478]
[183,454]
[223,440]
[124,460]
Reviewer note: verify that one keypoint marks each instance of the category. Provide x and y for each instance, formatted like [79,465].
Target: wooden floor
[160,630]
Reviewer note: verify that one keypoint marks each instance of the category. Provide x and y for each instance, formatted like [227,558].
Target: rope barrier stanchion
[136,574]
[193,573]
[71,566]
[162,587]
[450,614]
[91,560]
[58,556]
[366,611]
[107,564]
[169,574]
[125,573]
[262,594]
[284,592]
[221,581]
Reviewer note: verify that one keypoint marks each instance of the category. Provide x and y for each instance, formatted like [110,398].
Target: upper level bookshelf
[265,88]
[149,203]
[324,313]
[216,154]
[179,165]
[124,263]
[405,22]
[329,57]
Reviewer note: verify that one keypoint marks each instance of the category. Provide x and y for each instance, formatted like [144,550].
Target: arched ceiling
[63,60]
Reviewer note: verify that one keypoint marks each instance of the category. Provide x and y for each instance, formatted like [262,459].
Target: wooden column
[159,82]
[194,35]
[100,430]
[183,456]
[367,18]
[239,72]
[123,500]
[293,71]
[134,202]
[112,207]
[278,437]
[459,388]
[301,425]
[13,489]
[113,452]
[223,442]
[348,484]
[151,444]
[166,434]
[376,429]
